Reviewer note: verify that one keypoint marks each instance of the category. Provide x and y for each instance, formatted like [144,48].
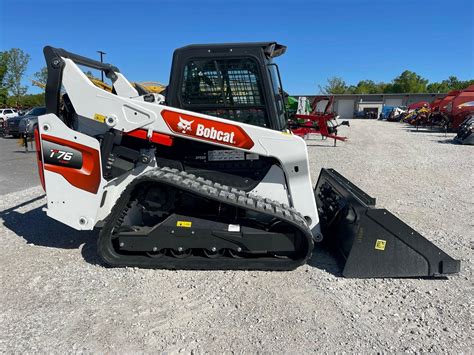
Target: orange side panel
[88,176]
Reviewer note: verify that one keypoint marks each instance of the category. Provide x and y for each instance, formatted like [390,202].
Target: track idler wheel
[236,254]
[156,253]
[213,253]
[181,253]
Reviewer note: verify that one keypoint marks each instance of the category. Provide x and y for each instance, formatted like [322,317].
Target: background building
[346,104]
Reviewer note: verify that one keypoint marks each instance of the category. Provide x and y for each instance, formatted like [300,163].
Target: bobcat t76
[209,178]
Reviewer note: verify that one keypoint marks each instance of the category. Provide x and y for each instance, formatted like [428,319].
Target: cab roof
[271,49]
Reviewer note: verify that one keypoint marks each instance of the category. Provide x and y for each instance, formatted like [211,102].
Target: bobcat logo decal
[184,125]
[206,129]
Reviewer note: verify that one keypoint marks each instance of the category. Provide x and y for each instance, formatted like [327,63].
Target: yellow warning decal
[380,244]
[184,224]
[99,117]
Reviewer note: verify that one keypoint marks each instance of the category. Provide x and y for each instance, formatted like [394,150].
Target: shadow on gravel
[426,131]
[324,260]
[448,141]
[35,227]
[319,145]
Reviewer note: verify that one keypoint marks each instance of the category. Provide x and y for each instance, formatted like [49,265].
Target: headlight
[449,107]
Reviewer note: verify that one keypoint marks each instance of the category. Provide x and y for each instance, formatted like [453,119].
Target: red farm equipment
[321,121]
[418,105]
[439,114]
[434,105]
[460,107]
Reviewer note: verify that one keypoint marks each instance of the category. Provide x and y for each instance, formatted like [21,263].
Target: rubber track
[210,190]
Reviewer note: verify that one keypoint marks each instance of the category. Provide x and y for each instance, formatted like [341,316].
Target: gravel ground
[17,167]
[57,297]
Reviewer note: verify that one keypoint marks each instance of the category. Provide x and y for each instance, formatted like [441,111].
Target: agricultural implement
[318,122]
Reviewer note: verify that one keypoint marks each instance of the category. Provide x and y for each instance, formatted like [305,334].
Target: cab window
[227,88]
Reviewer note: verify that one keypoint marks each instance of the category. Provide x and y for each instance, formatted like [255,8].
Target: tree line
[13,65]
[14,62]
[406,82]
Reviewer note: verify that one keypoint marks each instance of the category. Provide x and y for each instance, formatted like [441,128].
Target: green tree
[386,88]
[28,101]
[409,82]
[367,87]
[16,66]
[3,71]
[406,82]
[351,89]
[437,87]
[42,75]
[452,83]
[467,83]
[335,85]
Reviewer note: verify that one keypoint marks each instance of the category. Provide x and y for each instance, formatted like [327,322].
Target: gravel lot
[57,297]
[17,167]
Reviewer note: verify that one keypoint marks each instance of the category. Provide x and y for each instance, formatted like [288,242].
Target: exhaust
[372,242]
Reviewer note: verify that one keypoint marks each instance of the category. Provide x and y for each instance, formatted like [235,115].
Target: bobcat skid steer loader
[209,179]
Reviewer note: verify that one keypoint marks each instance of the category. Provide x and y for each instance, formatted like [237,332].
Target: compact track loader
[209,179]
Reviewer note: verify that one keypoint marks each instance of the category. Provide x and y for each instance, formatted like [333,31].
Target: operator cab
[236,81]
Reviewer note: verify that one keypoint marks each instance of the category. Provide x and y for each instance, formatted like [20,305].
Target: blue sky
[358,39]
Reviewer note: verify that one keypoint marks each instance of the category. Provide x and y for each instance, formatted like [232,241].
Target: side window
[278,93]
[227,88]
[8,111]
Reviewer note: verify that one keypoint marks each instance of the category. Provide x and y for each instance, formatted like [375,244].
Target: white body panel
[273,186]
[66,203]
[130,114]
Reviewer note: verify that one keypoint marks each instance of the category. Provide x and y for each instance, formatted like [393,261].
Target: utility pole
[101,60]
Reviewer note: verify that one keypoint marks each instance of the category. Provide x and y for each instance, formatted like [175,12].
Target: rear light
[39,158]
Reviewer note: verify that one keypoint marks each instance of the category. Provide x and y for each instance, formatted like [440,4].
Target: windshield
[37,111]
